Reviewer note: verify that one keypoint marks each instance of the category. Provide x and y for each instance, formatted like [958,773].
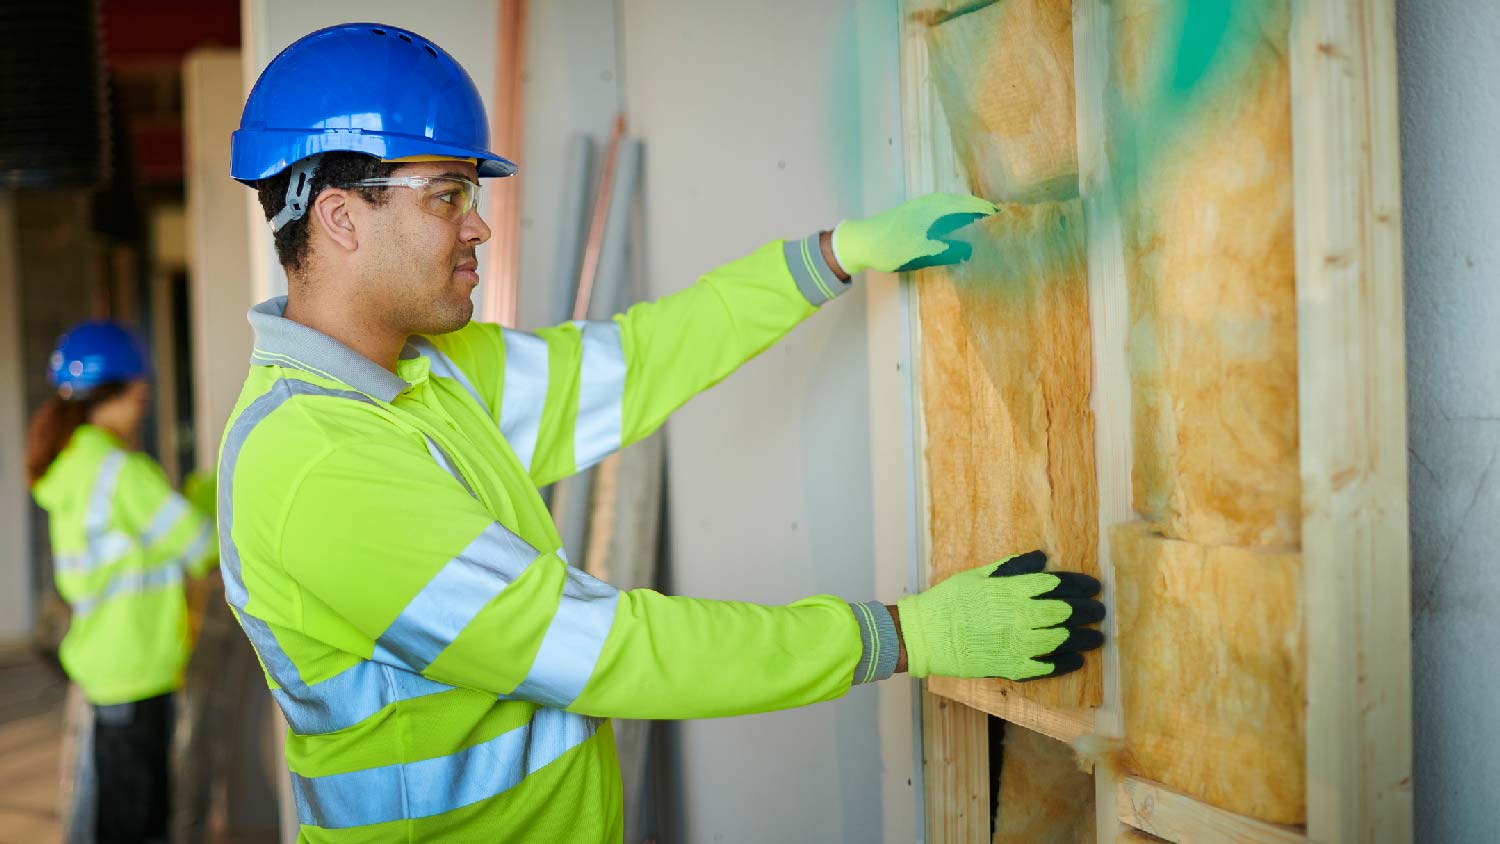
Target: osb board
[1004,75]
[1213,671]
[1005,380]
[1209,251]
[1045,798]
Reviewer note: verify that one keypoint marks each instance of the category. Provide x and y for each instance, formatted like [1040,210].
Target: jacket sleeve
[568,396]
[429,583]
[170,530]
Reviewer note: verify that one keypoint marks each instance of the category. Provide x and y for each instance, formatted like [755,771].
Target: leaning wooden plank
[1044,797]
[1212,670]
[956,767]
[1002,701]
[1353,421]
[1135,836]
[1207,180]
[623,545]
[1178,818]
[502,262]
[1005,393]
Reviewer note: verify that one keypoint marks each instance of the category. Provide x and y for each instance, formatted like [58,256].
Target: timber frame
[1352,388]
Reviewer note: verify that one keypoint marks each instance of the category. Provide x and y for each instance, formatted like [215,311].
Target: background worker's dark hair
[335,169]
[53,424]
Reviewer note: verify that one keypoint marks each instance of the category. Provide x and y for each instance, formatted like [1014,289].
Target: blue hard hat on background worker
[362,87]
[93,354]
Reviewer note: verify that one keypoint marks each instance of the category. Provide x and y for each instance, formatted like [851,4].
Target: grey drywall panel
[1450,122]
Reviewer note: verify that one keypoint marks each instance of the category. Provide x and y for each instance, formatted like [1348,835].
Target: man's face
[420,264]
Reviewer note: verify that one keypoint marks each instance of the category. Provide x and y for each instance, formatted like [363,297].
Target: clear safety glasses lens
[448,197]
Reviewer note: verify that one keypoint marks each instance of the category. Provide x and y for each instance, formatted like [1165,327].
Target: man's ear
[332,211]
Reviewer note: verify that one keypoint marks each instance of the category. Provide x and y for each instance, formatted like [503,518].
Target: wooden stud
[1352,395]
[956,769]
[1176,817]
[1109,324]
[955,738]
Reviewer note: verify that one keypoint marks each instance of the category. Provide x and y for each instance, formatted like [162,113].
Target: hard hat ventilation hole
[403,36]
[430,51]
[378,31]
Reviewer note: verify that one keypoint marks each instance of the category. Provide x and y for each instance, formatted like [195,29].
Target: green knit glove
[1008,619]
[913,235]
[201,490]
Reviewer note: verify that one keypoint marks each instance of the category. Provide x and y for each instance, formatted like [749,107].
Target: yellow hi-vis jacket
[445,672]
[122,542]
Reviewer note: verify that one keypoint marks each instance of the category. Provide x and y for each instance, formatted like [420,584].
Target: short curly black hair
[335,169]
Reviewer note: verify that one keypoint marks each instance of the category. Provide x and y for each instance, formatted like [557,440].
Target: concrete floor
[32,702]
[31,718]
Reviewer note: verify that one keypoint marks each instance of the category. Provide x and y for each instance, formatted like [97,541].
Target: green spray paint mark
[1203,27]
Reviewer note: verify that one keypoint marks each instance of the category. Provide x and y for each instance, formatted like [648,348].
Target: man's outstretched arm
[428,582]
[566,397]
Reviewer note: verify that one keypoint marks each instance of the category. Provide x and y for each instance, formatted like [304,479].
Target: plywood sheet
[1004,75]
[1209,253]
[1005,392]
[1045,798]
[1212,671]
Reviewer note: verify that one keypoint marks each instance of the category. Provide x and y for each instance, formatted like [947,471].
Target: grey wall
[771,120]
[572,86]
[1450,158]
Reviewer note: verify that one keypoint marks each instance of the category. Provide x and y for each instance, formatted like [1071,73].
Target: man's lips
[468,270]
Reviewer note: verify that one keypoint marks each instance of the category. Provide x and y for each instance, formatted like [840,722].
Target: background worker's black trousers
[131,743]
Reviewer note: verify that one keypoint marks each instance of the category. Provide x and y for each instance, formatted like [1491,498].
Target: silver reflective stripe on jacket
[601,391]
[102,545]
[525,392]
[435,786]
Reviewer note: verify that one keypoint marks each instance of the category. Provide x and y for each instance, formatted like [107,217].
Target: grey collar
[282,342]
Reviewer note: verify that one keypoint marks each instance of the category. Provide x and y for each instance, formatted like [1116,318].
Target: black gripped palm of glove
[1008,619]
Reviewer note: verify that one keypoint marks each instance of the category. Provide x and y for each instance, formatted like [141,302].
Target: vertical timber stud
[1109,314]
[955,738]
[1352,391]
[956,770]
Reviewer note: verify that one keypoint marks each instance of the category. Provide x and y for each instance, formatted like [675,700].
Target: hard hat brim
[258,153]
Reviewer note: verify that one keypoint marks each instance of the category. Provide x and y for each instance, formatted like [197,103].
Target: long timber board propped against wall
[1174,361]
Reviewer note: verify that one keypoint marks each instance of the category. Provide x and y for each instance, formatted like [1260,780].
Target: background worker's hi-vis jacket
[444,671]
[123,541]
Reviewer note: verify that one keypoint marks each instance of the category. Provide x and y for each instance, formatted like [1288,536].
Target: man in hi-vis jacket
[446,674]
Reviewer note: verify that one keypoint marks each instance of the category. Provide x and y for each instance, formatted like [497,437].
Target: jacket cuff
[814,277]
[877,635]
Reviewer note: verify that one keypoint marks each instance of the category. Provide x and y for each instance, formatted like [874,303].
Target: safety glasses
[449,197]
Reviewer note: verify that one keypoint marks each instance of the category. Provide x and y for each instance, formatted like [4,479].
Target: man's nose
[474,230]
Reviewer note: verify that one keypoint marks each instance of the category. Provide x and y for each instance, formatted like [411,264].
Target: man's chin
[451,318]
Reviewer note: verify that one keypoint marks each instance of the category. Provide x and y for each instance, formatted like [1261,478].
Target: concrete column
[15,526]
[218,245]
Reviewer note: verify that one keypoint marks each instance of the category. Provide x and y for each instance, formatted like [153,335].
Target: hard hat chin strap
[297,191]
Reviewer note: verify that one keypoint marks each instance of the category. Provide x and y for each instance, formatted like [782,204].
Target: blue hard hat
[95,353]
[361,87]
